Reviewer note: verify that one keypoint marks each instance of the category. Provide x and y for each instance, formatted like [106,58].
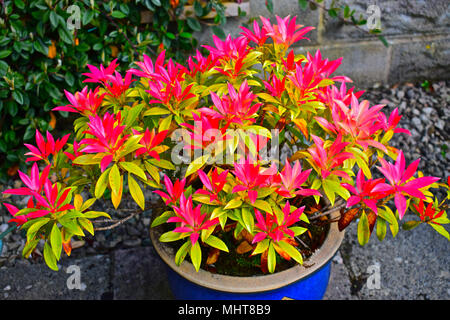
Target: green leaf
[87,16]
[136,192]
[363,229]
[271,259]
[247,218]
[49,257]
[162,218]
[269,6]
[54,19]
[65,35]
[154,172]
[182,252]
[70,79]
[291,251]
[409,225]
[384,41]
[232,204]
[269,98]
[198,9]
[162,163]
[5,53]
[298,230]
[389,216]
[441,230]
[171,236]
[332,13]
[31,232]
[19,4]
[262,205]
[195,165]
[118,14]
[196,255]
[328,191]
[87,225]
[87,159]
[96,214]
[101,184]
[18,96]
[381,229]
[56,241]
[29,247]
[194,24]
[134,169]
[156,111]
[165,123]
[261,247]
[114,179]
[216,243]
[186,35]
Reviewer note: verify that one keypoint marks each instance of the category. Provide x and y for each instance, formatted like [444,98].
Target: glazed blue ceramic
[312,287]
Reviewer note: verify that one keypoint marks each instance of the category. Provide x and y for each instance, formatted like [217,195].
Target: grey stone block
[258,8]
[139,274]
[399,17]
[420,60]
[364,63]
[339,286]
[412,266]
[38,282]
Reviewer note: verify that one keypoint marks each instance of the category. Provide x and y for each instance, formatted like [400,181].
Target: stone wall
[418,33]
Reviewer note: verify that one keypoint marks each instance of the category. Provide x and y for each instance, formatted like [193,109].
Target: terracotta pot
[305,282]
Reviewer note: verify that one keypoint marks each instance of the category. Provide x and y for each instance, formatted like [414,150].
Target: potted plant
[236,219]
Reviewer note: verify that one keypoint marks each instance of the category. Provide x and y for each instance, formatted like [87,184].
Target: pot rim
[253,284]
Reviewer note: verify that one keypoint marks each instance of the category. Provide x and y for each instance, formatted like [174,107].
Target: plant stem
[338,16]
[324,213]
[119,222]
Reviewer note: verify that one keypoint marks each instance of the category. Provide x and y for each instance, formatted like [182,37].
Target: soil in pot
[243,264]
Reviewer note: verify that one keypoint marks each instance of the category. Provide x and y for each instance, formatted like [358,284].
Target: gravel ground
[425,113]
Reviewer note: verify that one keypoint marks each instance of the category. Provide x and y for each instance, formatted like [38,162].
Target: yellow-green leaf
[216,243]
[195,165]
[134,169]
[291,251]
[86,224]
[56,241]
[196,255]
[114,179]
[165,123]
[102,183]
[271,259]
[262,205]
[363,229]
[49,257]
[136,192]
[247,218]
[232,204]
[87,159]
[156,111]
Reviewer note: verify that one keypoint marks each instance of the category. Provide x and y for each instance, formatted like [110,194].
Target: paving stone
[413,265]
[38,282]
[140,274]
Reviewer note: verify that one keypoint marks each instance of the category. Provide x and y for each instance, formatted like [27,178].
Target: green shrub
[39,55]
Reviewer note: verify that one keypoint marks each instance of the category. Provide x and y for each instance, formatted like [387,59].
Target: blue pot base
[313,287]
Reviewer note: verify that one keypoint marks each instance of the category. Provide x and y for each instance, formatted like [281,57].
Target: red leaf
[346,217]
